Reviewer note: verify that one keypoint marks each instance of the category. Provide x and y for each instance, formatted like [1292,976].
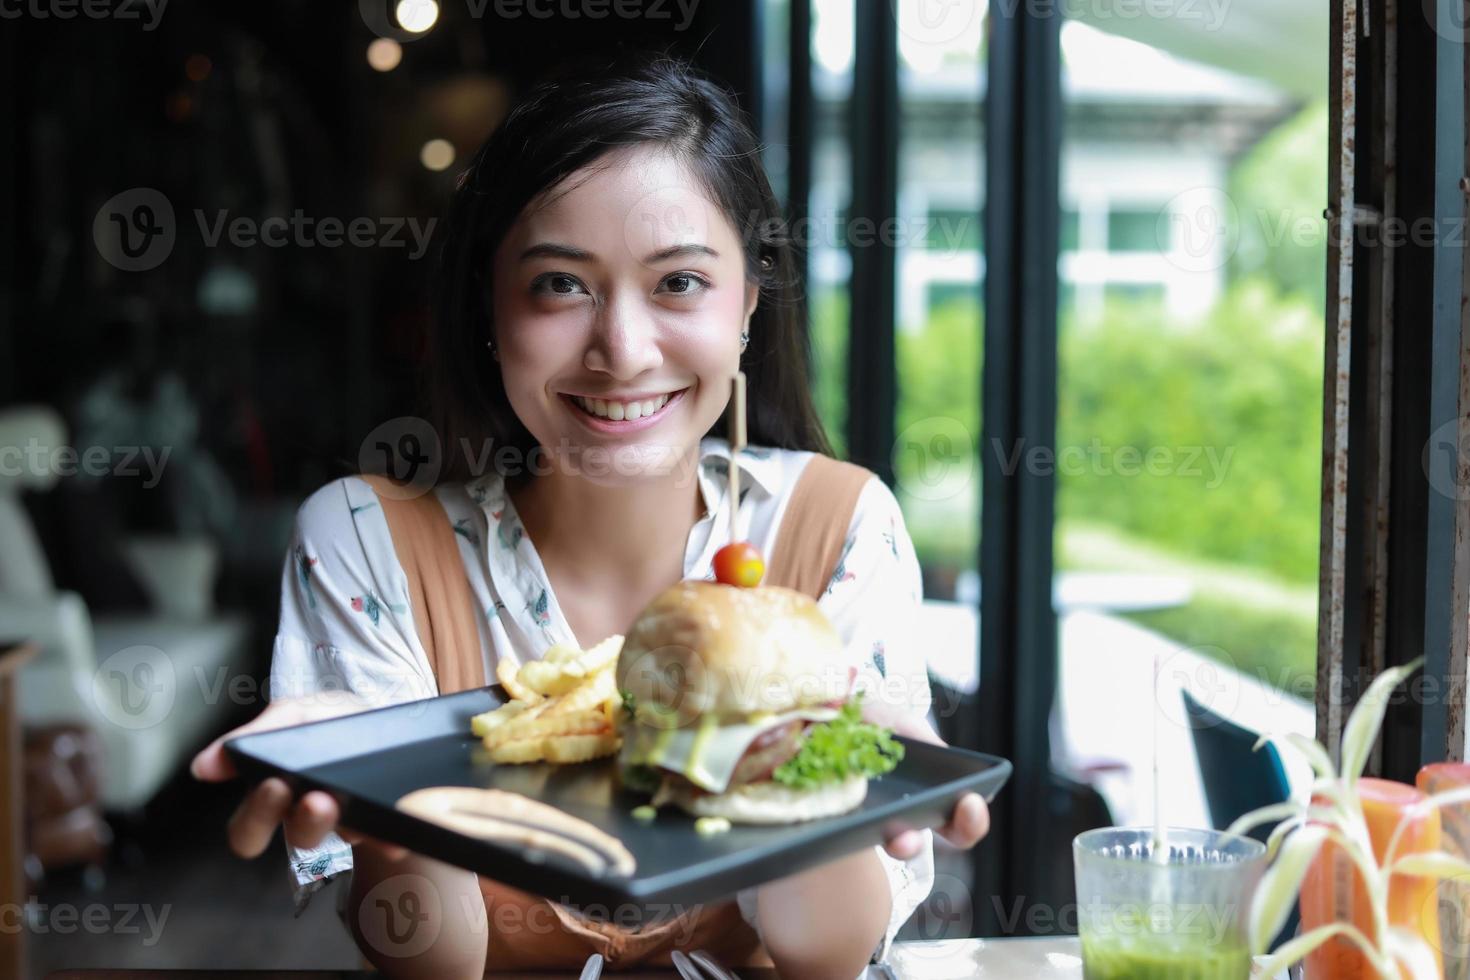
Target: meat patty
[762,757]
[767,752]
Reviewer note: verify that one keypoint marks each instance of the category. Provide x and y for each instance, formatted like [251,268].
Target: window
[941,66]
[1134,230]
[1189,407]
[832,43]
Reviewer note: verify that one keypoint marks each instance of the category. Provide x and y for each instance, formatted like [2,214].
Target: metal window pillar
[1395,546]
[872,377]
[1018,642]
[800,119]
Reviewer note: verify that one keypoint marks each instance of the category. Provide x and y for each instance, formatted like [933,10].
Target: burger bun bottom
[771,802]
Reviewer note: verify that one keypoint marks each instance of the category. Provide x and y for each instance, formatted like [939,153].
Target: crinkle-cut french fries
[563,707]
[506,673]
[581,748]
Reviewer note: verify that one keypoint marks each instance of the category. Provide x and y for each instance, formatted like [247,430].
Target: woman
[613,254]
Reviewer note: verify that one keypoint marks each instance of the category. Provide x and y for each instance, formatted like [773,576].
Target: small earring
[744,340]
[493,352]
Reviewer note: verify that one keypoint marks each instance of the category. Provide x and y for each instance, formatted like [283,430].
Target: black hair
[561,126]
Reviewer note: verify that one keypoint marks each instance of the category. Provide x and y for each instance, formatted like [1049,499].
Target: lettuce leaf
[641,779]
[835,750]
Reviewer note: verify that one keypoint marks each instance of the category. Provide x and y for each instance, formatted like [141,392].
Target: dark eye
[684,283]
[558,283]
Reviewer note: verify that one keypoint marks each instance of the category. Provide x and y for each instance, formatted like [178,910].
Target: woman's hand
[970,820]
[270,805]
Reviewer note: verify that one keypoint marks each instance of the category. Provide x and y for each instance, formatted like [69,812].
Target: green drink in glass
[1174,909]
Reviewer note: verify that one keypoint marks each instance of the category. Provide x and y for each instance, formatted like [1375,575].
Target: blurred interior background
[217,384]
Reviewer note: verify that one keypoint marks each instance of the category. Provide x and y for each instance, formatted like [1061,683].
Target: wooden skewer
[737,443]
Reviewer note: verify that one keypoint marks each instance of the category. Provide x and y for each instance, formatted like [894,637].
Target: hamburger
[737,703]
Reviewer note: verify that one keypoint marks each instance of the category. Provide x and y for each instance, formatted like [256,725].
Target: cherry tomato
[739,564]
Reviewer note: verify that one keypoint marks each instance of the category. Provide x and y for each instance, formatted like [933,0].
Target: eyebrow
[556,250]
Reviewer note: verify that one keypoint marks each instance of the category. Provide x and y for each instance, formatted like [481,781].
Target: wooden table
[12,811]
[1052,958]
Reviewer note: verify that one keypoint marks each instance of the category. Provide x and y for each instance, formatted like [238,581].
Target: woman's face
[617,316]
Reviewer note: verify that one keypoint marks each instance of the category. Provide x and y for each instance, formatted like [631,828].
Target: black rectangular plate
[369,760]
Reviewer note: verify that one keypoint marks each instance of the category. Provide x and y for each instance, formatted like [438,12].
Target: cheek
[714,335]
[533,343]
[530,356]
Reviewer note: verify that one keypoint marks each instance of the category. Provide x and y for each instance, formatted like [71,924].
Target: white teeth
[622,411]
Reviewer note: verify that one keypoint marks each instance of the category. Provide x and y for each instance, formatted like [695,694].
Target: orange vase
[1333,890]
[1454,895]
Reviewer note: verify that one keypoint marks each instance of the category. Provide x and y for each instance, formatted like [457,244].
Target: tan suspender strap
[438,589]
[814,525]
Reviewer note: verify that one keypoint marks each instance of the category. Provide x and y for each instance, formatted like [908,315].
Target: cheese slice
[706,753]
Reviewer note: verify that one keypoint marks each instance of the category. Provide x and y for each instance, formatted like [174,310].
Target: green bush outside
[1228,404]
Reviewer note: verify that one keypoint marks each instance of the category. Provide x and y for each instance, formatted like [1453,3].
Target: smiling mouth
[623,411]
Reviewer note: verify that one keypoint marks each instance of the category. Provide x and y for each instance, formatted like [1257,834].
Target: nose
[625,340]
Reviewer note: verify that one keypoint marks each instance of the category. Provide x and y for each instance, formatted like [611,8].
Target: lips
[618,416]
[620,411]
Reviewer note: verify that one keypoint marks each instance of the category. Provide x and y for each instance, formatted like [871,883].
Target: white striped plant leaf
[1270,813]
[1276,894]
[1367,717]
[1431,864]
[1436,801]
[1310,750]
[1299,948]
[1410,949]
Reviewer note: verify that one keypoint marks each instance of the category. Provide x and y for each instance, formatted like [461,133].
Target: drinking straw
[737,443]
[1160,851]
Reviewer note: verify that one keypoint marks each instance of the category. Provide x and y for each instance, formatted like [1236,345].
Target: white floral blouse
[346,623]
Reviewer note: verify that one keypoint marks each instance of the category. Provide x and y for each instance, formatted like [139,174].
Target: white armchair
[152,685]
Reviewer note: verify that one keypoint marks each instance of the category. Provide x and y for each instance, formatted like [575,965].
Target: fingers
[255,820]
[905,845]
[306,822]
[969,823]
[313,816]
[212,765]
[269,805]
